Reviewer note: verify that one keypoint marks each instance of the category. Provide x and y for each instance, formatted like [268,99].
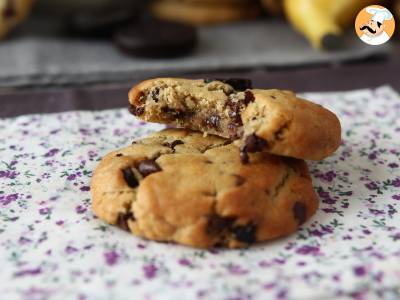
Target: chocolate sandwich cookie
[156,39]
[273,120]
[179,186]
[100,24]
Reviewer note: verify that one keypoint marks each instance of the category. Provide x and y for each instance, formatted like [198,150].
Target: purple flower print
[371,186]
[308,250]
[236,270]
[28,272]
[396,197]
[45,210]
[71,177]
[70,250]
[8,174]
[85,188]
[360,271]
[184,262]
[393,165]
[111,258]
[396,182]
[328,176]
[80,209]
[52,152]
[5,200]
[150,271]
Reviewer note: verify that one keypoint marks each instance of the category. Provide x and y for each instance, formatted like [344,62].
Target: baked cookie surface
[179,186]
[264,120]
[200,13]
[13,12]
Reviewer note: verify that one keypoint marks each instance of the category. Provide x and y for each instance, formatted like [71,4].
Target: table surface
[97,97]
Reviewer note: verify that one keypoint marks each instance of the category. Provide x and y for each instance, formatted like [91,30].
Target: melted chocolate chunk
[240,180]
[130,177]
[245,233]
[248,97]
[173,113]
[136,110]
[148,166]
[244,156]
[300,212]
[213,121]
[254,143]
[119,155]
[173,144]
[217,224]
[122,220]
[238,84]
[9,9]
[154,94]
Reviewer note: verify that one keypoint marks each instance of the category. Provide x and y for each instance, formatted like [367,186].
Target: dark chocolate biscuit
[156,39]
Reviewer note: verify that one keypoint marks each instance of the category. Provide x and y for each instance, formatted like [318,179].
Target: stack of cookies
[205,12]
[232,173]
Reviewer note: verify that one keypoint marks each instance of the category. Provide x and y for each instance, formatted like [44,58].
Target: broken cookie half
[273,120]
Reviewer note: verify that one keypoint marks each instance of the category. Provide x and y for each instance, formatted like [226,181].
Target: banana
[322,21]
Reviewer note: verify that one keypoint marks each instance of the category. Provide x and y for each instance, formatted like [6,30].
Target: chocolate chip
[9,9]
[154,94]
[213,121]
[248,97]
[136,110]
[173,144]
[240,180]
[234,115]
[300,212]
[148,166]
[254,143]
[119,155]
[244,156]
[130,177]
[122,220]
[239,84]
[216,224]
[245,233]
[173,113]
[273,97]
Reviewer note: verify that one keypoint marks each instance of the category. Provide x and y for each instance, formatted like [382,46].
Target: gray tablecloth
[39,57]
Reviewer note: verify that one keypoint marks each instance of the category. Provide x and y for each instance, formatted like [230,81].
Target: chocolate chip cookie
[263,120]
[179,186]
[12,12]
[197,13]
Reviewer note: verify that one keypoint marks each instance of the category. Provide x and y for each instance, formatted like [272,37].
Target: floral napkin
[52,247]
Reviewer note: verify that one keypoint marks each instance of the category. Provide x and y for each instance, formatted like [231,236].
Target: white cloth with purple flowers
[52,247]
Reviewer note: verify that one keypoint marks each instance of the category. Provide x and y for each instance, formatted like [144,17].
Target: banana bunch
[323,21]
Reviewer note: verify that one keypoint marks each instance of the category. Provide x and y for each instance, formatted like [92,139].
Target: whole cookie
[203,13]
[263,120]
[179,186]
[12,12]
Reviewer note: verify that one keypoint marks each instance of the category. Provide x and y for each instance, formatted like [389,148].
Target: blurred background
[85,54]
